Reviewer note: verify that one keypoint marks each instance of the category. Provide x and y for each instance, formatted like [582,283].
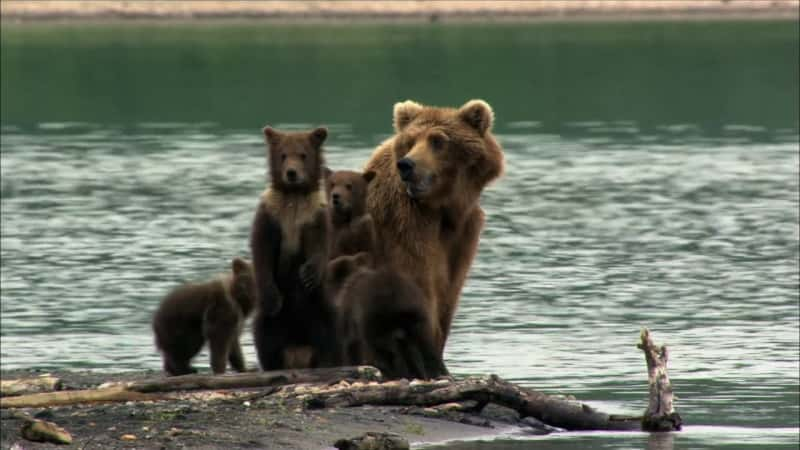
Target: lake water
[652,180]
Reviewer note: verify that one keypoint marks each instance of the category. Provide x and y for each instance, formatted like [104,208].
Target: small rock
[44,414]
[128,437]
[41,431]
[373,441]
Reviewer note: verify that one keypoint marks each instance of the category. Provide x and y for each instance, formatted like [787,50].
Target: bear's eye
[349,187]
[302,156]
[437,141]
[283,156]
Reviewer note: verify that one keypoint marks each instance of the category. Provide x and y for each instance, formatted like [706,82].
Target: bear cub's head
[242,287]
[295,159]
[347,193]
[444,152]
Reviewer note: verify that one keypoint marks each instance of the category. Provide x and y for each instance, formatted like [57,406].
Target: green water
[652,180]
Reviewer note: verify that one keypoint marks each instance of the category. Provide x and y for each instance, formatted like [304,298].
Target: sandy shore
[18,10]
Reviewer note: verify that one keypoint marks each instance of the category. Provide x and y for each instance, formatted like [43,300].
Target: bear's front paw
[308,275]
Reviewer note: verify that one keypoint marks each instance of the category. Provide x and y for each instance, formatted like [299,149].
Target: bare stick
[660,414]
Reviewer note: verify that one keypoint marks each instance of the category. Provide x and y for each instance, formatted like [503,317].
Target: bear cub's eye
[303,156]
[349,187]
[283,156]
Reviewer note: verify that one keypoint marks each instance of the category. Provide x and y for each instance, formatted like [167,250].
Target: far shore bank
[12,11]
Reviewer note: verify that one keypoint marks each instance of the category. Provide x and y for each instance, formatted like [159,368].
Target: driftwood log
[149,389]
[357,386]
[42,383]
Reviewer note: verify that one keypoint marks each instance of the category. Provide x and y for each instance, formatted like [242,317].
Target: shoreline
[348,12]
[241,418]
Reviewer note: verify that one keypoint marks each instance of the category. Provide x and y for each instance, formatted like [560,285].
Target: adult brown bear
[424,198]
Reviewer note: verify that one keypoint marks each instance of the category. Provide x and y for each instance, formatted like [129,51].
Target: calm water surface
[637,193]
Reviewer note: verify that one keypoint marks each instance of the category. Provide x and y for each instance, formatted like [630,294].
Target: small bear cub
[213,311]
[351,230]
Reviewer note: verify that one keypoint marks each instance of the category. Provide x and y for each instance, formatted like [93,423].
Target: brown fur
[428,225]
[289,246]
[213,311]
[383,321]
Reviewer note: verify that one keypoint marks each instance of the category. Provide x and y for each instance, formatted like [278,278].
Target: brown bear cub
[351,228]
[383,321]
[293,327]
[213,311]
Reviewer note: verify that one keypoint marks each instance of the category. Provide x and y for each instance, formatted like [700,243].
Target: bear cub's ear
[272,136]
[404,113]
[368,175]
[318,136]
[239,266]
[477,114]
[326,172]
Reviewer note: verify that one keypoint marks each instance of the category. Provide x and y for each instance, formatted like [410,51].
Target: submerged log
[42,383]
[660,414]
[553,411]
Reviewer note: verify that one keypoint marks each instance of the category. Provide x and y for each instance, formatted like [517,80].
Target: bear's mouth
[420,187]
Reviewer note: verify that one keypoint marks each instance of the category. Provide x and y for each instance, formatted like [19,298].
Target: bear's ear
[326,172]
[477,114]
[272,136]
[239,266]
[368,175]
[318,136]
[404,113]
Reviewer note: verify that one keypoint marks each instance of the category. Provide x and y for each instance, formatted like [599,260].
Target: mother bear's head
[442,153]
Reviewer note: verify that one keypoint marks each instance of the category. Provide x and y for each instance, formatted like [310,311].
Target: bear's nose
[335,197]
[291,175]
[406,168]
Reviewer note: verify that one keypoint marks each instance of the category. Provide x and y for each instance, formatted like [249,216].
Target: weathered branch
[42,383]
[61,398]
[142,390]
[255,379]
[660,414]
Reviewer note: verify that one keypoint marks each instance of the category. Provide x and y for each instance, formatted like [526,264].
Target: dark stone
[373,441]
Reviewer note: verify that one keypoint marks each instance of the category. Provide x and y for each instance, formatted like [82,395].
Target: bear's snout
[406,168]
[291,175]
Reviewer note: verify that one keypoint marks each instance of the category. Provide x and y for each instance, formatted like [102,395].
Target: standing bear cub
[214,311]
[294,325]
